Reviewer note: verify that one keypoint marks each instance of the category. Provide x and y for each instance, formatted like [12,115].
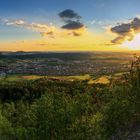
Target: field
[95,67]
[19,77]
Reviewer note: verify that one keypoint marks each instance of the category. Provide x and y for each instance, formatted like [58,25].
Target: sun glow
[133,44]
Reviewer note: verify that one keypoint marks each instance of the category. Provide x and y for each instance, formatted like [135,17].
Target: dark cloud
[73,25]
[125,31]
[68,13]
[121,29]
[118,40]
[74,34]
[71,20]
[136,24]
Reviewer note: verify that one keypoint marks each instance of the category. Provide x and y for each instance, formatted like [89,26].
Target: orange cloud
[46,30]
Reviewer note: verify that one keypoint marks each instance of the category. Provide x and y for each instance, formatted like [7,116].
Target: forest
[52,109]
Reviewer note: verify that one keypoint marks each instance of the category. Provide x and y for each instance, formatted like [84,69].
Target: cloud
[126,31]
[118,40]
[122,29]
[16,22]
[68,13]
[19,22]
[73,25]
[40,26]
[43,29]
[136,24]
[71,19]
[74,34]
[47,30]
[32,26]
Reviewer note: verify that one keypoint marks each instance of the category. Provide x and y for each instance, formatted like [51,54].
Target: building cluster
[57,67]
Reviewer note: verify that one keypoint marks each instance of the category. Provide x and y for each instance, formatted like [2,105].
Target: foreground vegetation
[53,109]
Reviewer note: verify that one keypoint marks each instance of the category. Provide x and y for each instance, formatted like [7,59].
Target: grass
[102,79]
[18,77]
[11,78]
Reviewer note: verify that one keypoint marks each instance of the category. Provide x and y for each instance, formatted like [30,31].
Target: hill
[57,109]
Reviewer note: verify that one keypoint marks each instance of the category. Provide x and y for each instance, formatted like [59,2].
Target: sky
[69,25]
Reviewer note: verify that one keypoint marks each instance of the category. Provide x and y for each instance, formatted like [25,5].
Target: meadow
[90,79]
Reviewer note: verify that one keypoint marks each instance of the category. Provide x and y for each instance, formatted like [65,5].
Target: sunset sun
[133,44]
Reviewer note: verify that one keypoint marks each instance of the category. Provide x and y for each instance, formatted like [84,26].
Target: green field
[102,79]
